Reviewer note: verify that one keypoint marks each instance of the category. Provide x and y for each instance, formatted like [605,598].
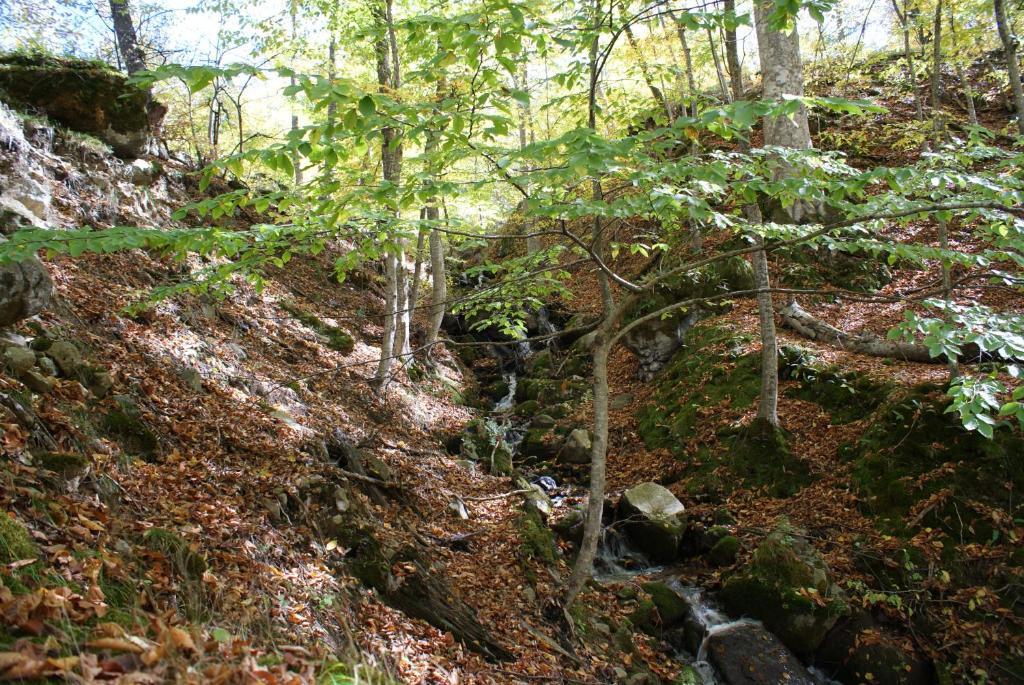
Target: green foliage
[15,542]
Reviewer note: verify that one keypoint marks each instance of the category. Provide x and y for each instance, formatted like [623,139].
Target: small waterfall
[616,559]
[506,403]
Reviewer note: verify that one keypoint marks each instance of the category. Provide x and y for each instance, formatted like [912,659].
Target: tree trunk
[581,570]
[645,69]
[972,113]
[723,87]
[296,159]
[127,40]
[1012,67]
[782,74]
[908,54]
[768,408]
[732,54]
[332,65]
[396,316]
[438,275]
[938,124]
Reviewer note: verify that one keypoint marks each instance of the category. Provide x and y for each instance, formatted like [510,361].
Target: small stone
[458,507]
[37,382]
[100,382]
[46,366]
[576,449]
[529,594]
[273,508]
[194,380]
[66,356]
[19,359]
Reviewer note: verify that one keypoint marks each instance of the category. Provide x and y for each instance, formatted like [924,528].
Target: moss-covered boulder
[654,520]
[747,654]
[787,585]
[725,551]
[67,464]
[857,650]
[576,448]
[538,443]
[84,96]
[185,560]
[672,606]
[537,540]
[15,542]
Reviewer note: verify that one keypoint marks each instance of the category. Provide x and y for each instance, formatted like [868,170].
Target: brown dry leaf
[115,645]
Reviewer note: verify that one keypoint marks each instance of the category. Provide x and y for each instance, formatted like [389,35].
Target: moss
[15,541]
[353,673]
[538,541]
[908,439]
[67,464]
[337,338]
[83,95]
[186,562]
[724,552]
[125,424]
[847,396]
[672,607]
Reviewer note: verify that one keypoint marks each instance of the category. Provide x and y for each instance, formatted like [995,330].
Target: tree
[904,16]
[127,41]
[1009,42]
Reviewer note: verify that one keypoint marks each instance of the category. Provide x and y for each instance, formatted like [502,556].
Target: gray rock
[46,366]
[19,359]
[66,356]
[747,654]
[37,382]
[655,520]
[99,381]
[538,501]
[576,449]
[25,290]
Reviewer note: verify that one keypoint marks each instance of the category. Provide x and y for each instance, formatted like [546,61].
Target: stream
[618,561]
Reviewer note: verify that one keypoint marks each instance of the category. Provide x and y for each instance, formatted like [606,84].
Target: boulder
[672,606]
[655,520]
[25,290]
[724,552]
[18,360]
[576,448]
[66,356]
[481,442]
[538,443]
[858,650]
[747,654]
[37,382]
[787,586]
[83,96]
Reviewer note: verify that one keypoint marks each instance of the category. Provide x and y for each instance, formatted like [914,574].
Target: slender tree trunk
[732,54]
[904,18]
[645,69]
[600,350]
[782,74]
[296,160]
[1009,41]
[417,270]
[768,408]
[691,81]
[332,66]
[961,75]
[127,40]
[938,123]
[396,318]
[438,275]
[723,87]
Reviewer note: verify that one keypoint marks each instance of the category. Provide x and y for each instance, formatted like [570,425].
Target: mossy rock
[336,338]
[777,588]
[125,424]
[725,551]
[481,443]
[88,97]
[538,541]
[15,541]
[539,443]
[67,464]
[688,676]
[912,435]
[672,607]
[847,396]
[185,561]
[654,520]
[527,408]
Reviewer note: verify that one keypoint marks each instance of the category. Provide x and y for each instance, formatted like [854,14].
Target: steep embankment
[208,491]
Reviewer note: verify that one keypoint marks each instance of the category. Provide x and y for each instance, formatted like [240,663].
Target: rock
[458,508]
[857,650]
[66,356]
[538,443]
[46,366]
[67,464]
[542,421]
[570,526]
[14,215]
[98,380]
[576,449]
[774,588]
[536,500]
[85,97]
[143,172]
[672,606]
[620,401]
[655,520]
[193,379]
[747,654]
[655,342]
[25,290]
[688,676]
[37,382]
[482,443]
[125,423]
[725,551]
[19,359]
